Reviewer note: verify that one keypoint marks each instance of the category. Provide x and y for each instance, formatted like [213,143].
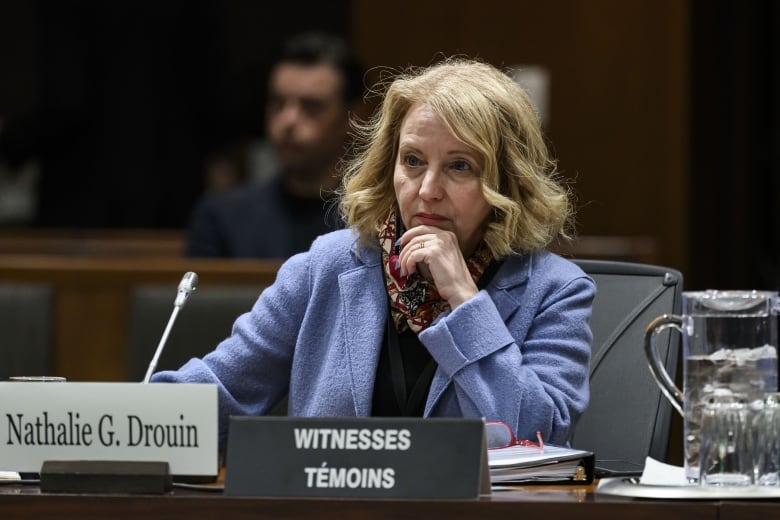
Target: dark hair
[314,48]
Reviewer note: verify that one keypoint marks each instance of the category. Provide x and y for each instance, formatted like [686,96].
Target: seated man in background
[313,88]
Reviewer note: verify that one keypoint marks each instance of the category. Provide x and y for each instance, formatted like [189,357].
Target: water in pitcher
[750,372]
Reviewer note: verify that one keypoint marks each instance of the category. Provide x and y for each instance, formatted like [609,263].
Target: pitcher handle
[658,325]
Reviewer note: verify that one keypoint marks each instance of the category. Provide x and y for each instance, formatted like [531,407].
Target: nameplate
[173,423]
[355,457]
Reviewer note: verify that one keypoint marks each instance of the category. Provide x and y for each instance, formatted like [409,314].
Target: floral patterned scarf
[414,302]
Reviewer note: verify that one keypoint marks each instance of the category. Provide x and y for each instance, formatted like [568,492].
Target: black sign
[355,457]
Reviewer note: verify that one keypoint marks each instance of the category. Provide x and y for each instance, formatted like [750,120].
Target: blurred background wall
[663,113]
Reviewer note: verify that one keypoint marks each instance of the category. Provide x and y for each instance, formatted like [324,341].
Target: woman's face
[437,179]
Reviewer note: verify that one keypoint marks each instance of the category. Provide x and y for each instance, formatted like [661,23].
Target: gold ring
[422,244]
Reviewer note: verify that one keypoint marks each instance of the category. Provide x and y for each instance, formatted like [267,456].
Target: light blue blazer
[517,352]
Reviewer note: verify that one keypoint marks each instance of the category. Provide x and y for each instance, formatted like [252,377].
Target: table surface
[529,502]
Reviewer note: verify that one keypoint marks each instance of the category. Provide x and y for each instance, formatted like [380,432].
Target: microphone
[187,286]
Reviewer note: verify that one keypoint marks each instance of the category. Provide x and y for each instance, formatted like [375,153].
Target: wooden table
[527,503]
[530,502]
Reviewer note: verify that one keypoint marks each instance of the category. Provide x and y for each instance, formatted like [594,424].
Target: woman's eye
[461,166]
[412,160]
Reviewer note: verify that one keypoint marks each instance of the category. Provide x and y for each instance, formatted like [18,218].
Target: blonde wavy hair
[486,110]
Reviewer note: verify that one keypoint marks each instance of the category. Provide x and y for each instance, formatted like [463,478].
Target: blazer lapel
[513,272]
[365,311]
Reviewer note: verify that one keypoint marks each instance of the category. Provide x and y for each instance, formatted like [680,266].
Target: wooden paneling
[92,242]
[92,298]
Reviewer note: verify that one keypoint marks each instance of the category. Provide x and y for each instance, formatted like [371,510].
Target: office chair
[204,321]
[628,417]
[26,312]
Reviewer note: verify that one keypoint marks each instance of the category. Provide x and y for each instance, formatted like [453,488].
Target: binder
[531,464]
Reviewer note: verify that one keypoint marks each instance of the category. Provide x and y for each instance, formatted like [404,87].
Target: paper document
[658,473]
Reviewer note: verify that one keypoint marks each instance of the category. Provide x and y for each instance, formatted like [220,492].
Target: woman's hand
[435,254]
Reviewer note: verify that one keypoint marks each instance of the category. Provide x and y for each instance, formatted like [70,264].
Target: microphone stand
[156,358]
[187,286]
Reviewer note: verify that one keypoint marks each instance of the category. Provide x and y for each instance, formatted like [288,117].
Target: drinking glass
[767,435]
[726,456]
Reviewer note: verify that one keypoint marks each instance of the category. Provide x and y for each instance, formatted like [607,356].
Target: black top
[404,395]
[405,369]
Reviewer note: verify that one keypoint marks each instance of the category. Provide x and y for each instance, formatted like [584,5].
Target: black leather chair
[204,321]
[628,418]
[26,311]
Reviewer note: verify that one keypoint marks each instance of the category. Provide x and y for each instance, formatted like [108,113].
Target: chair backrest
[628,417]
[26,325]
[201,324]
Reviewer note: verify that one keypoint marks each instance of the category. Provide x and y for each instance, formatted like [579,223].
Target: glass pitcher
[729,347]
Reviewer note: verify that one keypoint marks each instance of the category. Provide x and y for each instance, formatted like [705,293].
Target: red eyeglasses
[500,435]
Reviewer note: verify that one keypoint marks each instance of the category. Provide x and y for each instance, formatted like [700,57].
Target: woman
[439,300]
